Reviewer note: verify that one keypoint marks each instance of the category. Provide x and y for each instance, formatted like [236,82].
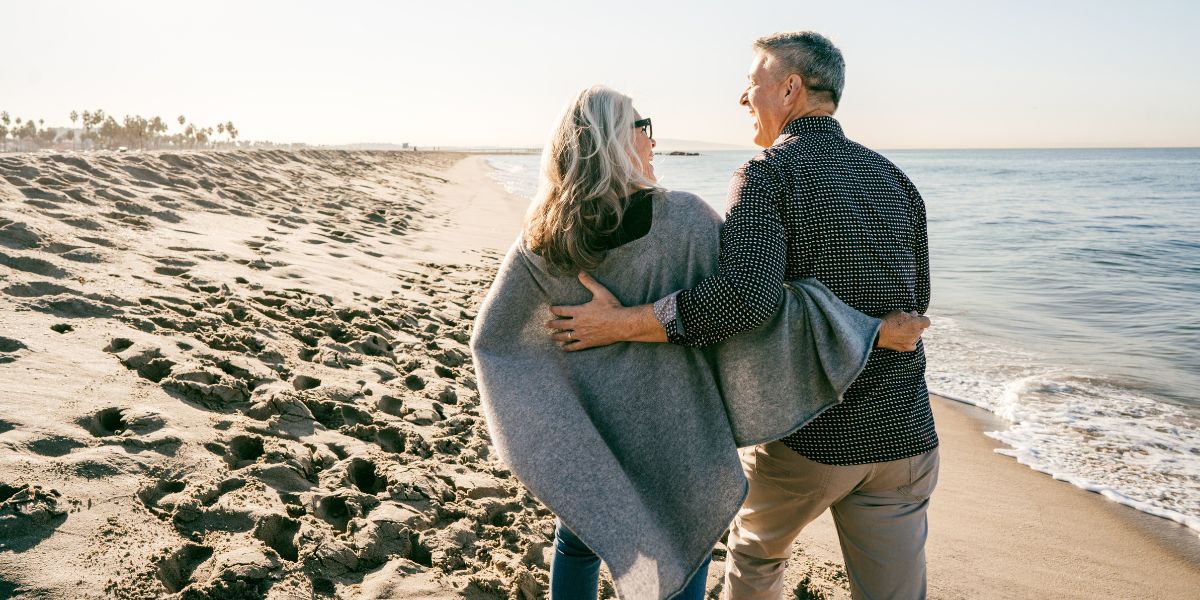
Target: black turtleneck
[635,222]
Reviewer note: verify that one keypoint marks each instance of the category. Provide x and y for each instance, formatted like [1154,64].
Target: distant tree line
[100,130]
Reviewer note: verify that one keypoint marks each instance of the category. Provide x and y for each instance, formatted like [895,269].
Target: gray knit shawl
[632,445]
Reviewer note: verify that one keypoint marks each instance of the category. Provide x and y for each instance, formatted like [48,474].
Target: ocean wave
[517,174]
[1096,434]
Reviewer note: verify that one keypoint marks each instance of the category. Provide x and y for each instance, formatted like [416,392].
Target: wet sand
[998,529]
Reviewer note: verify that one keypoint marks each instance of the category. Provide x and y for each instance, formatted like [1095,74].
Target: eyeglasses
[646,127]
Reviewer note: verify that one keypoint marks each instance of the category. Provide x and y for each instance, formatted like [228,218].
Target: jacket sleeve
[748,286]
[920,245]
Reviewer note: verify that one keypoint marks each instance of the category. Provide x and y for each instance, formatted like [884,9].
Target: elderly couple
[792,331]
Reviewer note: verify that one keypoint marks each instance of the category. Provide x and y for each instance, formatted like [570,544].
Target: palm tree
[17,133]
[157,127]
[74,117]
[4,122]
[47,135]
[87,125]
[231,131]
[91,120]
[136,129]
[24,132]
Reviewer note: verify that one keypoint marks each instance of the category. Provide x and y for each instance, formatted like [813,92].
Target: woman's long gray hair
[588,168]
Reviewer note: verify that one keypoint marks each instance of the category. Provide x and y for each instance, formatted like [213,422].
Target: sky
[981,74]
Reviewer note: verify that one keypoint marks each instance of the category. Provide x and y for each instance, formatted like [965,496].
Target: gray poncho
[632,445]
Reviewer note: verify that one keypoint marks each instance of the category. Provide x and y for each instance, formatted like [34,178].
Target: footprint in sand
[118,345]
[116,193]
[19,236]
[175,571]
[240,451]
[127,220]
[27,514]
[149,362]
[106,422]
[304,382]
[279,533]
[54,446]
[35,289]
[83,255]
[74,307]
[163,495]
[43,198]
[362,474]
[33,265]
[334,510]
[83,223]
[173,266]
[10,349]
[390,404]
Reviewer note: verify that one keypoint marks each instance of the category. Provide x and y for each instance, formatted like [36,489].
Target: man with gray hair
[812,204]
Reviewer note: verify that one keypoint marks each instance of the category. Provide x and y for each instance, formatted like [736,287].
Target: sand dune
[236,375]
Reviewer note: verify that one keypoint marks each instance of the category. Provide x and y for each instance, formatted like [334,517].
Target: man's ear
[794,85]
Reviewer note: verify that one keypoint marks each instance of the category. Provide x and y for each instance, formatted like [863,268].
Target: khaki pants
[879,510]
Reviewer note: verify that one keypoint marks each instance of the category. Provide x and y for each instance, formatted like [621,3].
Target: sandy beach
[245,375]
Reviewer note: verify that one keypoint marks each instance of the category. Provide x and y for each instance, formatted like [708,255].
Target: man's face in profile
[764,96]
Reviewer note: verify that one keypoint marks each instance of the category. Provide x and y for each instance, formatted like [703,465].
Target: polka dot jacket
[816,204]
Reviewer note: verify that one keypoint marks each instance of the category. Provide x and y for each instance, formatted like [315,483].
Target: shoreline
[1169,534]
[998,529]
[1086,541]
[1177,536]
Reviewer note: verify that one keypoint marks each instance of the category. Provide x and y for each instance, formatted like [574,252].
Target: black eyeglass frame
[646,126]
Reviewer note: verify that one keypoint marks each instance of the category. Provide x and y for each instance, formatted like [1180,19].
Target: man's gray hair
[811,56]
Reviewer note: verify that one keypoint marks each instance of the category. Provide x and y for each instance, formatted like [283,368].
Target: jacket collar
[808,125]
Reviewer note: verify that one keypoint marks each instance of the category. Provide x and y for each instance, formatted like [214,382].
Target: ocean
[1066,300]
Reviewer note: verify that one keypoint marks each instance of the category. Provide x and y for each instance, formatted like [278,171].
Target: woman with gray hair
[634,446]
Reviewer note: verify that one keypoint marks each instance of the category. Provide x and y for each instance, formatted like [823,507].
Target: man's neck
[820,110]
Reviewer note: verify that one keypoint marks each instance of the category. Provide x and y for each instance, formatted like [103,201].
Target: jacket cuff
[666,310]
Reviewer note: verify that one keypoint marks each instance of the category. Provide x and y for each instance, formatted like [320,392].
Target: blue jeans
[575,571]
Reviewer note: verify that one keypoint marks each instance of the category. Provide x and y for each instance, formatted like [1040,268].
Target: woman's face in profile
[643,148]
